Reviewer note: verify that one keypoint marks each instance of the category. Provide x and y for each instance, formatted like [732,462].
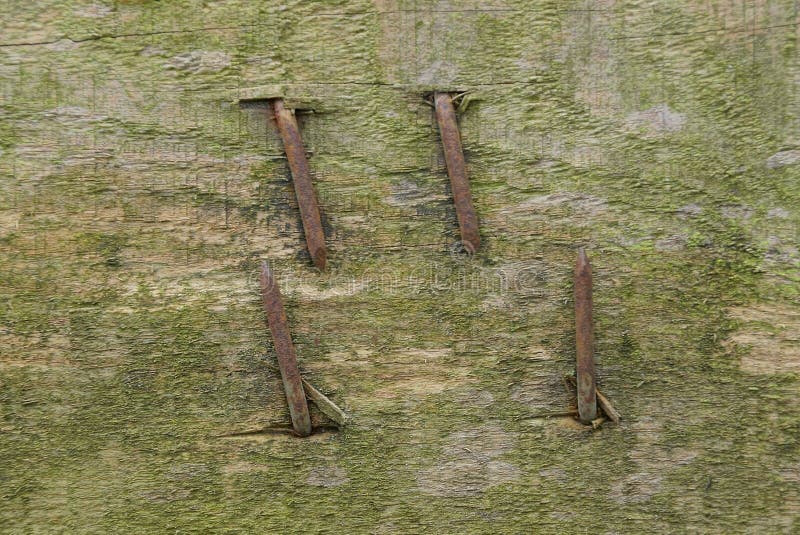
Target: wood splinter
[608,408]
[598,422]
[325,405]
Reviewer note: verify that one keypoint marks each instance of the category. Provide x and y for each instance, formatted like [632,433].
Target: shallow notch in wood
[325,405]
[259,96]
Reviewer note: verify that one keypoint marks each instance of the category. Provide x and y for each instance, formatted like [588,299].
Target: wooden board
[137,199]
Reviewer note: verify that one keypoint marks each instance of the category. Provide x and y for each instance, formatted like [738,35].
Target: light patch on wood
[312,293]
[771,333]
[594,67]
[355,357]
[200,61]
[541,392]
[327,477]
[791,474]
[419,373]
[242,467]
[9,222]
[469,463]
[783,158]
[400,374]
[473,397]
[578,201]
[465,477]
[649,459]
[656,120]
[36,350]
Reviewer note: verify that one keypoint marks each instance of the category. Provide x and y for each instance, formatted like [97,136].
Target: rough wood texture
[137,198]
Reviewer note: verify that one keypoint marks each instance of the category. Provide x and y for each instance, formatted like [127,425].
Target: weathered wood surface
[137,199]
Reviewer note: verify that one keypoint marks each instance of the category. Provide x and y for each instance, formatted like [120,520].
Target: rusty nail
[584,340]
[301,176]
[287,359]
[456,169]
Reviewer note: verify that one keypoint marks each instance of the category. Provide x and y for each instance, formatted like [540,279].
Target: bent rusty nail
[584,340]
[326,406]
[457,171]
[287,359]
[301,177]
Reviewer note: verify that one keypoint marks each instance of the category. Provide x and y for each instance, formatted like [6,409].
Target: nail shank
[301,177]
[287,359]
[584,340]
[457,171]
